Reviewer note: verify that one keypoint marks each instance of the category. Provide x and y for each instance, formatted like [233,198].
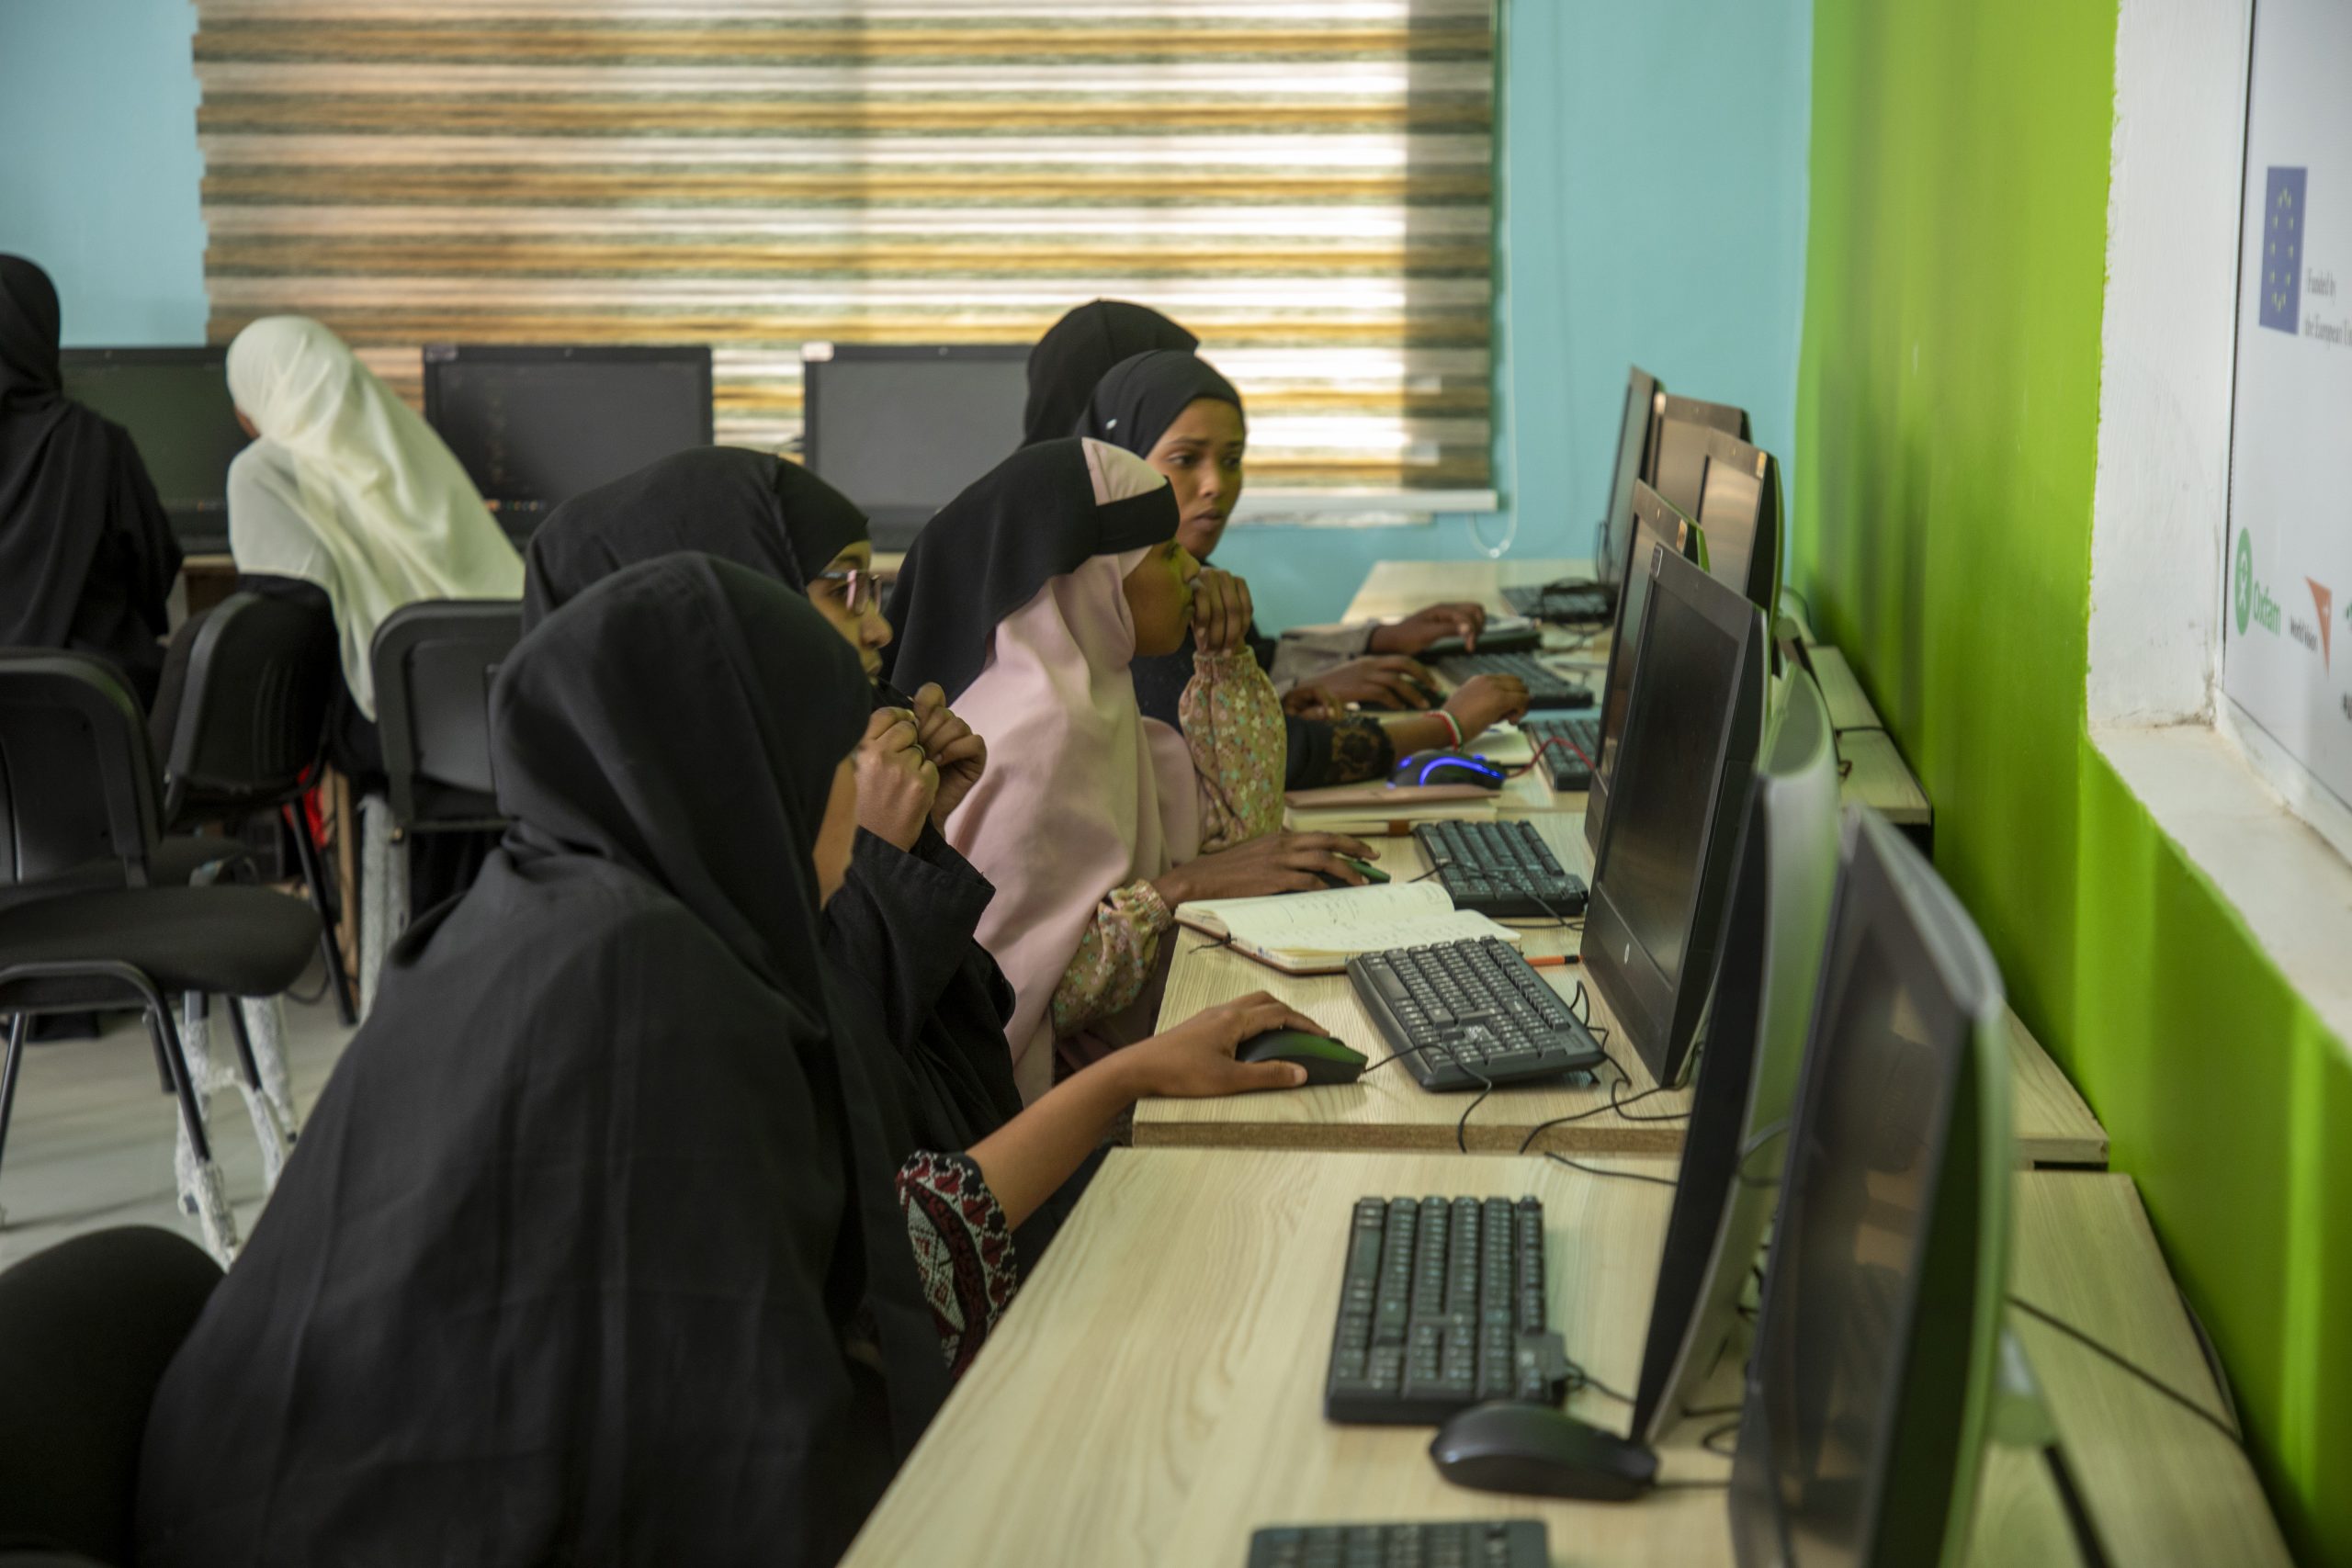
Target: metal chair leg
[204,1191]
[314,878]
[269,1098]
[19,1025]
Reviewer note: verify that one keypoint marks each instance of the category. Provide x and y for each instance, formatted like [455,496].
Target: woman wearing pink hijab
[1027,599]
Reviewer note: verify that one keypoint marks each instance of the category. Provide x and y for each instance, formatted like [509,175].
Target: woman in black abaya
[594,1250]
[86,555]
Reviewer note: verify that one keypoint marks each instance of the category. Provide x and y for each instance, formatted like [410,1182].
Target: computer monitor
[1740,507]
[1872,1372]
[535,425]
[1636,427]
[1678,458]
[1693,732]
[860,401]
[1775,920]
[1654,524]
[174,402]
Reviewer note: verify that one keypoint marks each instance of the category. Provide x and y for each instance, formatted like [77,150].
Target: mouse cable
[1692,1484]
[1541,1127]
[1623,1175]
[2137,1370]
[1708,1438]
[1486,1087]
[1579,1380]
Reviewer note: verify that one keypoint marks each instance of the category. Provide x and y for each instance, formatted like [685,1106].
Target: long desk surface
[1155,1392]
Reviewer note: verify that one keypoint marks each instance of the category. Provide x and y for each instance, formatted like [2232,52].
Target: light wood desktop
[1156,1391]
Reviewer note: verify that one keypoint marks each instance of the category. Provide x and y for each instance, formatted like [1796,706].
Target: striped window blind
[1306,184]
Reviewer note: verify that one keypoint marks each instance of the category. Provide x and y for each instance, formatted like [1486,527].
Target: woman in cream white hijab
[347,490]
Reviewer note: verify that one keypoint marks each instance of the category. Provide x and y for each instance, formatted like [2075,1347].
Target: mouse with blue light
[1440,765]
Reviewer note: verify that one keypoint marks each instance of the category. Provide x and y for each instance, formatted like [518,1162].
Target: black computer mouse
[1439,766]
[1373,875]
[1325,1059]
[1537,1451]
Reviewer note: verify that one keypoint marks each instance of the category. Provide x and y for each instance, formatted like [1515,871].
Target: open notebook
[1316,933]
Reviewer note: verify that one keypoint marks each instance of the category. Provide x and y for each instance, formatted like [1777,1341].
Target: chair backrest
[77,779]
[434,663]
[243,710]
[87,1330]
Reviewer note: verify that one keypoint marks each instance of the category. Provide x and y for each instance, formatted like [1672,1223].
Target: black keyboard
[1545,689]
[1567,771]
[1503,869]
[1441,1308]
[1471,1015]
[1564,604]
[1445,1543]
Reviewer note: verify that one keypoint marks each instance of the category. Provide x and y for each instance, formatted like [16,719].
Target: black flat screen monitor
[1636,428]
[1653,523]
[535,425]
[1693,732]
[861,401]
[175,405]
[1873,1372]
[1776,918]
[1739,508]
[1678,455]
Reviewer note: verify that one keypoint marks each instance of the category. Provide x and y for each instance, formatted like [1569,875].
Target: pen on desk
[1553,961]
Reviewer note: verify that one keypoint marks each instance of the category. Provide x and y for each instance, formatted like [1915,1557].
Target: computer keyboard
[1440,1308]
[1504,869]
[1442,1543]
[1575,744]
[1471,1015]
[1545,687]
[1568,605]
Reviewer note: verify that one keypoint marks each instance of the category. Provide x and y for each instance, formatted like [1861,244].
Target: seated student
[902,928]
[594,1250]
[86,555]
[1174,411]
[348,500]
[1365,663]
[1026,598]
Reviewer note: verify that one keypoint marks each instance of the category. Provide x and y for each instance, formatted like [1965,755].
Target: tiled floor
[90,1144]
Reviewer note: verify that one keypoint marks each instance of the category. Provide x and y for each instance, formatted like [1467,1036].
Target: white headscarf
[348,488]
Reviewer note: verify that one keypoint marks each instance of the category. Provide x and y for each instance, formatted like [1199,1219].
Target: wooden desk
[209,579]
[2161,1486]
[1156,1391]
[1397,588]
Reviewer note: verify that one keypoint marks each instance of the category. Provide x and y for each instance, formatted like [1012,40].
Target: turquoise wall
[97,111]
[1652,208]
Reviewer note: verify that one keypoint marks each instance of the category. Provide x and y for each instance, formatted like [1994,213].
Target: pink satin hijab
[1082,794]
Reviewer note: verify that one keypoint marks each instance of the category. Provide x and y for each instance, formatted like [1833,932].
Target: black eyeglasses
[861,591]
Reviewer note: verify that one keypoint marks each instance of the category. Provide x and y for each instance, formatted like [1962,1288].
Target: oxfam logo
[2251,602]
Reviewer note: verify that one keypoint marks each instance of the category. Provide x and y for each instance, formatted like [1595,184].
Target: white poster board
[2289,597]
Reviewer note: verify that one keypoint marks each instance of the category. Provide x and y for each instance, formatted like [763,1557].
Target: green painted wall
[1947,437]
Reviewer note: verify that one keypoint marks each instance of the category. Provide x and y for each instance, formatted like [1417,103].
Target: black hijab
[87,554]
[758,511]
[1077,350]
[586,1253]
[1133,407]
[1030,519]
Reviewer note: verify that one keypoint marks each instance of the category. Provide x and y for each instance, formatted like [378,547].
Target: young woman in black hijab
[1079,350]
[1175,411]
[87,554]
[902,928]
[594,1249]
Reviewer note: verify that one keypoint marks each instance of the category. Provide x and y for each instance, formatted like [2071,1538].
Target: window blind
[1306,184]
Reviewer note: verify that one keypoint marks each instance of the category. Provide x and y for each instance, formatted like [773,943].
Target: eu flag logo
[2282,249]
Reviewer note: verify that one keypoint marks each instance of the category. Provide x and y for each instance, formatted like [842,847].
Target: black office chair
[433,664]
[87,1330]
[77,781]
[240,724]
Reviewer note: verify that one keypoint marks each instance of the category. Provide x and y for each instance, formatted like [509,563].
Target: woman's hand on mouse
[1194,1060]
[1279,862]
[1222,610]
[1385,681]
[895,782]
[1485,700]
[1422,627]
[959,754]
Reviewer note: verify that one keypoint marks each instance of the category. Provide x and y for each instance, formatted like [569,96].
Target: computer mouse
[1325,1059]
[1439,766]
[1363,868]
[1537,1451]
